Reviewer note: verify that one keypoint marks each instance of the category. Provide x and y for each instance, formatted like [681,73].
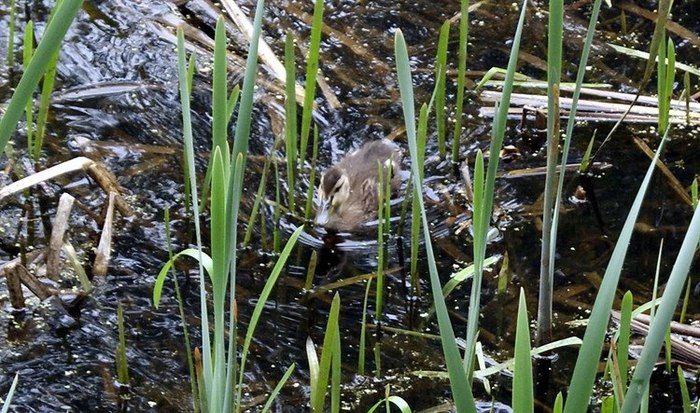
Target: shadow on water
[117,102]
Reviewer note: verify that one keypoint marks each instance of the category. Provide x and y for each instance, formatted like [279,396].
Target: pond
[116,101]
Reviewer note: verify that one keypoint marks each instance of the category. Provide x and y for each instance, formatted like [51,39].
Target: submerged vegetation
[248,347]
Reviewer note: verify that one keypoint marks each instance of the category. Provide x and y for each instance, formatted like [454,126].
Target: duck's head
[333,193]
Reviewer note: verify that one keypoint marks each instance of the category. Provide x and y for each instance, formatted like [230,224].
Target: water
[117,102]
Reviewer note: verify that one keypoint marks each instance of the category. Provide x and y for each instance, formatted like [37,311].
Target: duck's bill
[323,213]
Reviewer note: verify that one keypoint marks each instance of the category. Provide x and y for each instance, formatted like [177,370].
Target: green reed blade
[219,105]
[686,87]
[623,340]
[421,137]
[523,399]
[461,72]
[276,218]
[685,395]
[312,178]
[27,51]
[45,98]
[183,319]
[397,401]
[278,388]
[11,27]
[120,356]
[318,394]
[290,119]
[260,305]
[440,85]
[232,101]
[363,332]
[546,286]
[184,88]
[482,210]
[335,371]
[49,44]
[657,39]
[311,72]
[686,299]
[461,388]
[259,196]
[191,64]
[663,316]
[379,296]
[584,372]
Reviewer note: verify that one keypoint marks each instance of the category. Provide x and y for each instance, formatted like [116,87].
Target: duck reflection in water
[348,198]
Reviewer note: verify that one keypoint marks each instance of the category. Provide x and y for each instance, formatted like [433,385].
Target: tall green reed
[290,120]
[554,52]
[484,187]
[461,387]
[64,13]
[11,27]
[461,71]
[27,51]
[441,82]
[219,371]
[311,71]
[666,71]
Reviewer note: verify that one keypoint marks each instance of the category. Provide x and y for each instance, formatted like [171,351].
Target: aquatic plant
[50,42]
[219,372]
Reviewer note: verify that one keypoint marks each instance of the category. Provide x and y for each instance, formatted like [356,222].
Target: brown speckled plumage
[349,189]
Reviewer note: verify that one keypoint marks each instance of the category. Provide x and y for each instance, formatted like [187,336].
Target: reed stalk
[461,71]
[64,13]
[311,72]
[290,121]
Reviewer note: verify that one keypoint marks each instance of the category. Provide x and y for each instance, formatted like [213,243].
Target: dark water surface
[117,102]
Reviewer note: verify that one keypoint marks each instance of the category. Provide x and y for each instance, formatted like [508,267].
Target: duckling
[349,190]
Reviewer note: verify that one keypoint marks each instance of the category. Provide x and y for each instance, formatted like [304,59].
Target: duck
[348,194]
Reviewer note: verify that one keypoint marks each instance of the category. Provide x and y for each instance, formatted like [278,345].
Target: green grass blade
[484,208]
[335,371]
[663,316]
[290,119]
[363,333]
[523,399]
[554,53]
[262,301]
[311,71]
[44,101]
[585,371]
[27,51]
[685,396]
[623,340]
[278,387]
[657,39]
[461,388]
[49,44]
[219,105]
[461,70]
[308,210]
[440,85]
[11,26]
[318,397]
